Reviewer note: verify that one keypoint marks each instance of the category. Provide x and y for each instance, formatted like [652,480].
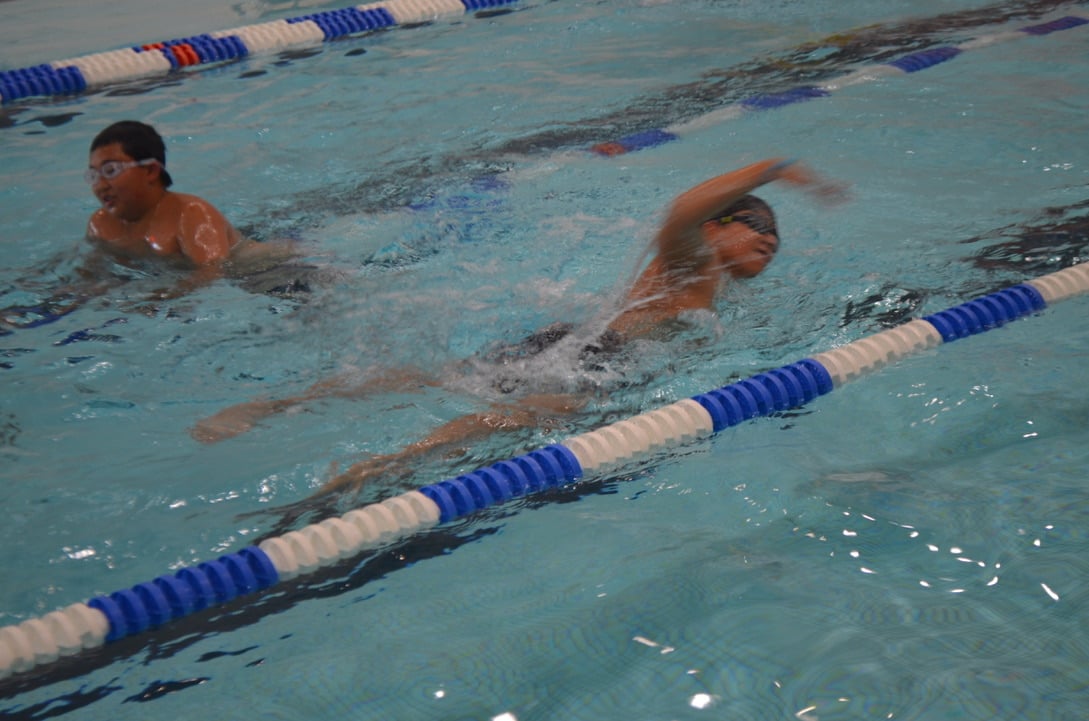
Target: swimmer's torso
[180,225]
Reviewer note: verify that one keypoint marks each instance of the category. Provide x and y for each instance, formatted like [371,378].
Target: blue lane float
[765,393]
[349,21]
[768,101]
[990,311]
[211,583]
[145,606]
[75,75]
[925,59]
[547,468]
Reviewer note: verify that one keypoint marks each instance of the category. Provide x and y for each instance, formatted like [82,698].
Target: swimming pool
[908,545]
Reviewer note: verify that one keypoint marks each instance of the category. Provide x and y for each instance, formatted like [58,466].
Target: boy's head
[139,141]
[744,237]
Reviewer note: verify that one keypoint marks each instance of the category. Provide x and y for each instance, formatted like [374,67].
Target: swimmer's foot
[359,474]
[235,420]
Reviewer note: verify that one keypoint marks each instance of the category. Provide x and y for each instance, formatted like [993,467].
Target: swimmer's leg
[240,418]
[529,412]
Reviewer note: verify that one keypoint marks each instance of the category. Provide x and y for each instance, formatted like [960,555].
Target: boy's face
[123,195]
[739,250]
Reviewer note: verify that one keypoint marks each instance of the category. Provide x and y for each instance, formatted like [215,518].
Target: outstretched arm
[679,241]
[684,274]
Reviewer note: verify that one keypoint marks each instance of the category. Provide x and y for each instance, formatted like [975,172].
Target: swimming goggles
[757,222]
[113,168]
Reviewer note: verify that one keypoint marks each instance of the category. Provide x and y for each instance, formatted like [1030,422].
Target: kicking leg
[240,418]
[529,412]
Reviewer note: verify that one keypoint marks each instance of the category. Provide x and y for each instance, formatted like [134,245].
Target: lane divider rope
[907,64]
[75,75]
[103,619]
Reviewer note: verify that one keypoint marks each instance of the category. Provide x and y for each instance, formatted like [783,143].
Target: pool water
[910,546]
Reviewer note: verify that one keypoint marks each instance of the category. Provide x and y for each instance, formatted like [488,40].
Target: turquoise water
[907,547]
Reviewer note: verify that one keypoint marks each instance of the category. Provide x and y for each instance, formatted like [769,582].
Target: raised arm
[679,241]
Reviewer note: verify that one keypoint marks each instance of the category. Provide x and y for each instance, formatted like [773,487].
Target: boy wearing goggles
[140,216]
[712,233]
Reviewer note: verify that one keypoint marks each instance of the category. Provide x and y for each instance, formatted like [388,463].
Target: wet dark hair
[753,212]
[139,140]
